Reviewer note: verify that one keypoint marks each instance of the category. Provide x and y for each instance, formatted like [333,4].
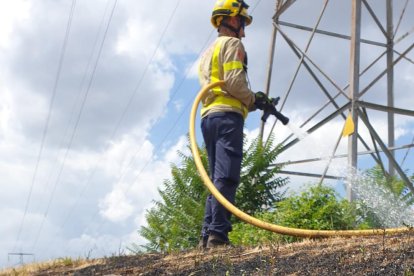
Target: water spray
[306,233]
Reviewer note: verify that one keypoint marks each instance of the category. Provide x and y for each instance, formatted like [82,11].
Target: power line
[129,102]
[77,121]
[95,44]
[72,112]
[131,99]
[45,130]
[400,19]
[255,6]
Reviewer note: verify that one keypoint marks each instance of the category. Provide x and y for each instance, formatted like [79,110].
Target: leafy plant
[174,222]
[318,207]
[260,187]
[248,235]
[66,261]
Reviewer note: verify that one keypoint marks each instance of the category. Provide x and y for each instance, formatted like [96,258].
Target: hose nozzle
[281,117]
[270,109]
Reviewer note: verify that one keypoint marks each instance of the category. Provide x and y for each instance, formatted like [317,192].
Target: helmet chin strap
[231,28]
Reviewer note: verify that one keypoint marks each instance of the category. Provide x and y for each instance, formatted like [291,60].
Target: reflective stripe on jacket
[224,61]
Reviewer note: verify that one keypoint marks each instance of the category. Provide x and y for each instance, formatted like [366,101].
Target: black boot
[216,240]
[202,244]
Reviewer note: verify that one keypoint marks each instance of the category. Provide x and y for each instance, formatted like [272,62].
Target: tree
[260,187]
[174,223]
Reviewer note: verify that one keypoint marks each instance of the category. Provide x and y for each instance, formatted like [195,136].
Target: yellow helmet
[229,8]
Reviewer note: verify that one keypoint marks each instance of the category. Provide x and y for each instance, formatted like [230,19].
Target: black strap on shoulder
[245,62]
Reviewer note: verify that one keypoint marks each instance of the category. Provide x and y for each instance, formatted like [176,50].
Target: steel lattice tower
[351,101]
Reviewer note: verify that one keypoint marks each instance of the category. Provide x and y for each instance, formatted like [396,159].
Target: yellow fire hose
[254,221]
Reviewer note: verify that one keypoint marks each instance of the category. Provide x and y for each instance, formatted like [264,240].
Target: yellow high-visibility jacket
[224,60]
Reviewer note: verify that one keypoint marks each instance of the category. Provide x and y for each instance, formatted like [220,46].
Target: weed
[197,260]
[274,252]
[66,261]
[409,272]
[214,262]
[229,265]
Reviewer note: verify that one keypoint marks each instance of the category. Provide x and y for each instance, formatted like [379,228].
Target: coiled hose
[306,233]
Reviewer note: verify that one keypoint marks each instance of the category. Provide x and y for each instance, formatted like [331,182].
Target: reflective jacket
[224,60]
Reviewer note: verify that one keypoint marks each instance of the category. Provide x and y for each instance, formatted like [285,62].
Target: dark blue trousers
[223,136]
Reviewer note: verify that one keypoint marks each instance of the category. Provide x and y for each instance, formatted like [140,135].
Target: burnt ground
[377,255]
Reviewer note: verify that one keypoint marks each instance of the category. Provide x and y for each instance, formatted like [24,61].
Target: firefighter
[223,112]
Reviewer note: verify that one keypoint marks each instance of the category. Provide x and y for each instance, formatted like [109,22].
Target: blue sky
[117,108]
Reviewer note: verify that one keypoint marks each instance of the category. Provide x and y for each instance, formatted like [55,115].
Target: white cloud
[192,70]
[137,184]
[116,207]
[139,44]
[171,155]
[11,14]
[5,114]
[178,105]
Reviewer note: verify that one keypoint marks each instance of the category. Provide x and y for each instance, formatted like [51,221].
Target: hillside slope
[380,255]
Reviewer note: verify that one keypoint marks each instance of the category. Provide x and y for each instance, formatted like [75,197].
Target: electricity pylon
[353,102]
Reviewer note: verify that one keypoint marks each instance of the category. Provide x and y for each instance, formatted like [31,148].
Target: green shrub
[248,235]
[318,208]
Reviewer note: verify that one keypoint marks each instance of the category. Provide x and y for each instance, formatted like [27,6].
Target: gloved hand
[261,100]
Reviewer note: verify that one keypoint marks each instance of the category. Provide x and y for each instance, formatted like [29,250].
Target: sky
[95,99]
